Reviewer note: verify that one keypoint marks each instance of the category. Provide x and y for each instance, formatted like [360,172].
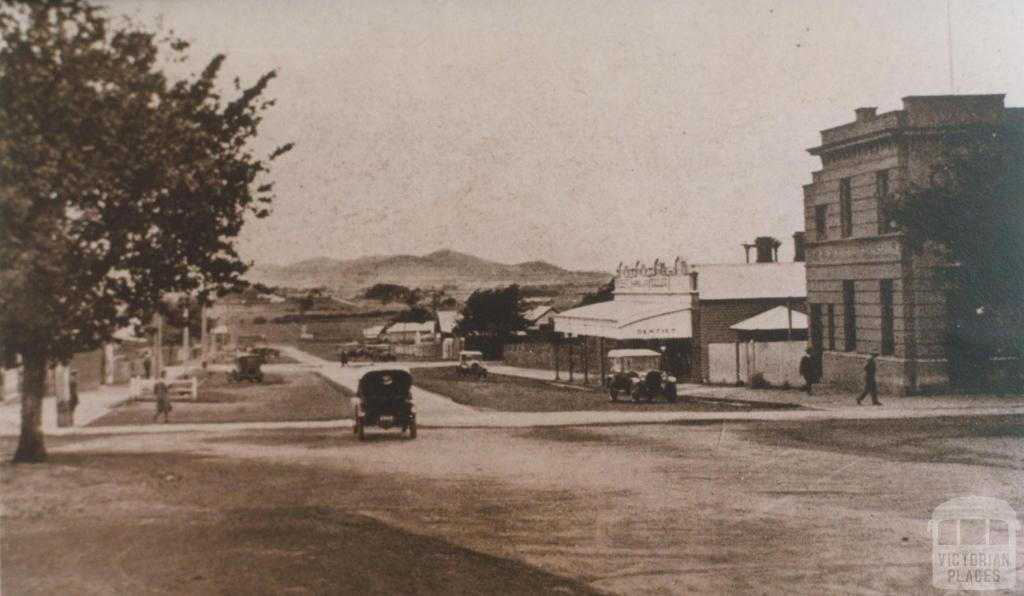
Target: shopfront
[652,309]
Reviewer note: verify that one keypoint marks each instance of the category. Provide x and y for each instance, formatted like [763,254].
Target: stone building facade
[866,291]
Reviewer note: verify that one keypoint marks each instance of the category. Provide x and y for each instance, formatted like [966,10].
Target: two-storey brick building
[866,291]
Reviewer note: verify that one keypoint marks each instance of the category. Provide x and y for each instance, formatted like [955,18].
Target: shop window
[821,222]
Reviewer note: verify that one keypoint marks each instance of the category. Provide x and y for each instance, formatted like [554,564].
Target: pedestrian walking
[163,398]
[73,392]
[870,387]
[809,370]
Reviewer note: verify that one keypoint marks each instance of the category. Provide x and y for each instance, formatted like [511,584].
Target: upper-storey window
[882,191]
[821,222]
[845,208]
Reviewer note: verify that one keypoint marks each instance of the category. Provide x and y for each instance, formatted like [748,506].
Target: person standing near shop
[147,364]
[870,385]
[809,370]
[163,398]
[73,393]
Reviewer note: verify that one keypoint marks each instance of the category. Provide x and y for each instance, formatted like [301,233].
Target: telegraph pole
[949,44]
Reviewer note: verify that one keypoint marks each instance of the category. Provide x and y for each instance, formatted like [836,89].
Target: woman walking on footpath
[163,398]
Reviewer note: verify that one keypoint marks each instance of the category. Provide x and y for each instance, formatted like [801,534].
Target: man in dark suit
[870,387]
[809,370]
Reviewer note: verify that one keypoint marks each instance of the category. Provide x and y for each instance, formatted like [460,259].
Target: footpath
[438,411]
[820,399]
[92,405]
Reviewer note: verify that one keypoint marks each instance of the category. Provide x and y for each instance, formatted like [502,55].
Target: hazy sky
[582,133]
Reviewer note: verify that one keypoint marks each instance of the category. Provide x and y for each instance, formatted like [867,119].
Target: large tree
[605,293]
[969,218]
[117,184]
[387,293]
[495,312]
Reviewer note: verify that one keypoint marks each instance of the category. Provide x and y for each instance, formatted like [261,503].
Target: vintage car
[637,373]
[266,353]
[378,353]
[470,364]
[247,368]
[384,399]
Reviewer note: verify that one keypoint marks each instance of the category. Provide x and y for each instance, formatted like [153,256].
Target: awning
[627,320]
[776,319]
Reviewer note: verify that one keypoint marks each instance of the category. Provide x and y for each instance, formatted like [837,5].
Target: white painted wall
[778,362]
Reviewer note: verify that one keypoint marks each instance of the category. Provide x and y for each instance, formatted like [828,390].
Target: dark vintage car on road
[637,373]
[384,399]
[470,364]
[247,368]
[266,353]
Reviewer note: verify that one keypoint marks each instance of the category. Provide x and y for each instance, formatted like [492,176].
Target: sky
[583,133]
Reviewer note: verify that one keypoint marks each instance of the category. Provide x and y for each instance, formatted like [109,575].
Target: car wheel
[636,396]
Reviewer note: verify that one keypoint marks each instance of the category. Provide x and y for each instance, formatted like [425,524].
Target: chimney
[798,247]
[767,249]
[865,114]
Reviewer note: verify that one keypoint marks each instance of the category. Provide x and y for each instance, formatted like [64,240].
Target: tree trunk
[30,445]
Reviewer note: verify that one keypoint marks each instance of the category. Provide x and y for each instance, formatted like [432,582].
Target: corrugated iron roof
[751,280]
[446,320]
[774,319]
[425,327]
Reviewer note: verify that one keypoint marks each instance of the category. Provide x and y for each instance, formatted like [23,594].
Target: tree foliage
[388,293]
[972,214]
[118,184]
[495,312]
[415,314]
[605,293]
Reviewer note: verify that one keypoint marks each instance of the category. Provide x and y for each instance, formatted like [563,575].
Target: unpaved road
[762,507]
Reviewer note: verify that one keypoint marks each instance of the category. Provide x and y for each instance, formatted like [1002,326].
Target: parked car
[266,353]
[637,373]
[381,354]
[470,364]
[384,399]
[247,368]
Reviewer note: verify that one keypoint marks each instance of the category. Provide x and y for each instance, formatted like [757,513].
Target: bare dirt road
[751,507]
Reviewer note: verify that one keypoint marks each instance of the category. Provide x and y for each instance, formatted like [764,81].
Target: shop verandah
[591,331]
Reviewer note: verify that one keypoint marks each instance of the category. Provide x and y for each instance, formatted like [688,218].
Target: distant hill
[437,269]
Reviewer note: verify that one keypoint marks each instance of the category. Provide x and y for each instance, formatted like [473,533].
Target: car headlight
[670,379]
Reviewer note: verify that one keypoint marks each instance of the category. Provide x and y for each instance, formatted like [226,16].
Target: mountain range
[442,268]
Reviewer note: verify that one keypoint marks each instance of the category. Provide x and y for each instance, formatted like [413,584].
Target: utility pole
[186,340]
[949,43]
[158,352]
[203,333]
